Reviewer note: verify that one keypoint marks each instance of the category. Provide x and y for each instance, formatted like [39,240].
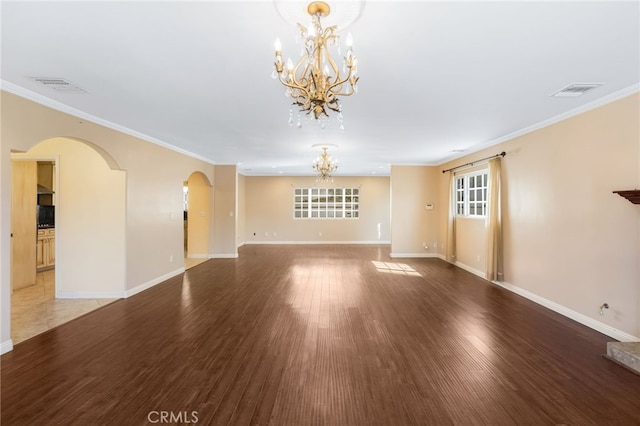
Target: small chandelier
[324,165]
[315,82]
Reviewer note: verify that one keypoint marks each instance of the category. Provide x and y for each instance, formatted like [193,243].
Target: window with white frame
[471,194]
[326,203]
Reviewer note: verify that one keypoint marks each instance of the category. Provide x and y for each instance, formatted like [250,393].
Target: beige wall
[225,212]
[269,212]
[568,239]
[154,178]
[414,228]
[242,210]
[471,241]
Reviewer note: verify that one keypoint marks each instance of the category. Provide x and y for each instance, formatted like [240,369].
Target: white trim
[199,256]
[43,100]
[89,295]
[412,255]
[6,346]
[472,270]
[316,242]
[622,93]
[576,316]
[306,202]
[151,283]
[224,256]
[466,193]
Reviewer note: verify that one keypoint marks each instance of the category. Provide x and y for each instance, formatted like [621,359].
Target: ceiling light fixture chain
[325,166]
[316,82]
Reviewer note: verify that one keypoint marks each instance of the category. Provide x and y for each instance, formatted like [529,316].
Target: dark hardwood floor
[319,335]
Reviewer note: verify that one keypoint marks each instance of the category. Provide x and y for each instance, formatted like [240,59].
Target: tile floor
[35,309]
[190,263]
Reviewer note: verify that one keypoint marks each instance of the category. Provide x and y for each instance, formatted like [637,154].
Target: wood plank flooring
[319,335]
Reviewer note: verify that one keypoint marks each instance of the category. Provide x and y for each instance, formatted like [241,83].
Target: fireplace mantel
[632,195]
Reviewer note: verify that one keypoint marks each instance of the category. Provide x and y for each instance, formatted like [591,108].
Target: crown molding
[596,103]
[48,102]
[59,106]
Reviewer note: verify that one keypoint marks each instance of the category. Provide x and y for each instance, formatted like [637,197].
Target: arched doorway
[89,242]
[197,219]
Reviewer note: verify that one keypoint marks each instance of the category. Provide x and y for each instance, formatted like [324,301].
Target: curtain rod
[502,154]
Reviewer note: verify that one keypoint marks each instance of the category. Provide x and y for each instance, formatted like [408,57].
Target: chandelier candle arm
[315,82]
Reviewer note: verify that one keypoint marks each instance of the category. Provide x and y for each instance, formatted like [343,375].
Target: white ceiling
[436,77]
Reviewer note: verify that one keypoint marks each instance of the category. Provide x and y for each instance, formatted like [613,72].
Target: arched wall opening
[198,217]
[90,218]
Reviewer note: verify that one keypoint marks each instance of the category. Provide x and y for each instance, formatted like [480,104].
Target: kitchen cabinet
[46,183]
[46,249]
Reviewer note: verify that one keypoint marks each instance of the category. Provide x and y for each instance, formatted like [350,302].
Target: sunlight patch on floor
[395,268]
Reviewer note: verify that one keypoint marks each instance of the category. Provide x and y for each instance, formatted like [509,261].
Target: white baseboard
[224,256]
[198,256]
[90,295]
[472,270]
[562,310]
[6,346]
[413,255]
[151,283]
[576,316]
[316,242]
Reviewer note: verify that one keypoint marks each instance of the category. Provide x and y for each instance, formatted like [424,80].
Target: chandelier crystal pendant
[324,166]
[316,81]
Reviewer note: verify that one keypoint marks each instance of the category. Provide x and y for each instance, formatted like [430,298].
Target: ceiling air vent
[59,84]
[575,89]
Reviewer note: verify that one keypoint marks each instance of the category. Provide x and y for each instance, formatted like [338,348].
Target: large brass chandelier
[324,166]
[316,81]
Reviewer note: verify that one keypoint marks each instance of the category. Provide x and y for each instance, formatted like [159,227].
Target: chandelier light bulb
[349,41]
[278,45]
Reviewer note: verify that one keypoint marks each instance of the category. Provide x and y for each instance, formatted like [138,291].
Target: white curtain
[451,224]
[494,222]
